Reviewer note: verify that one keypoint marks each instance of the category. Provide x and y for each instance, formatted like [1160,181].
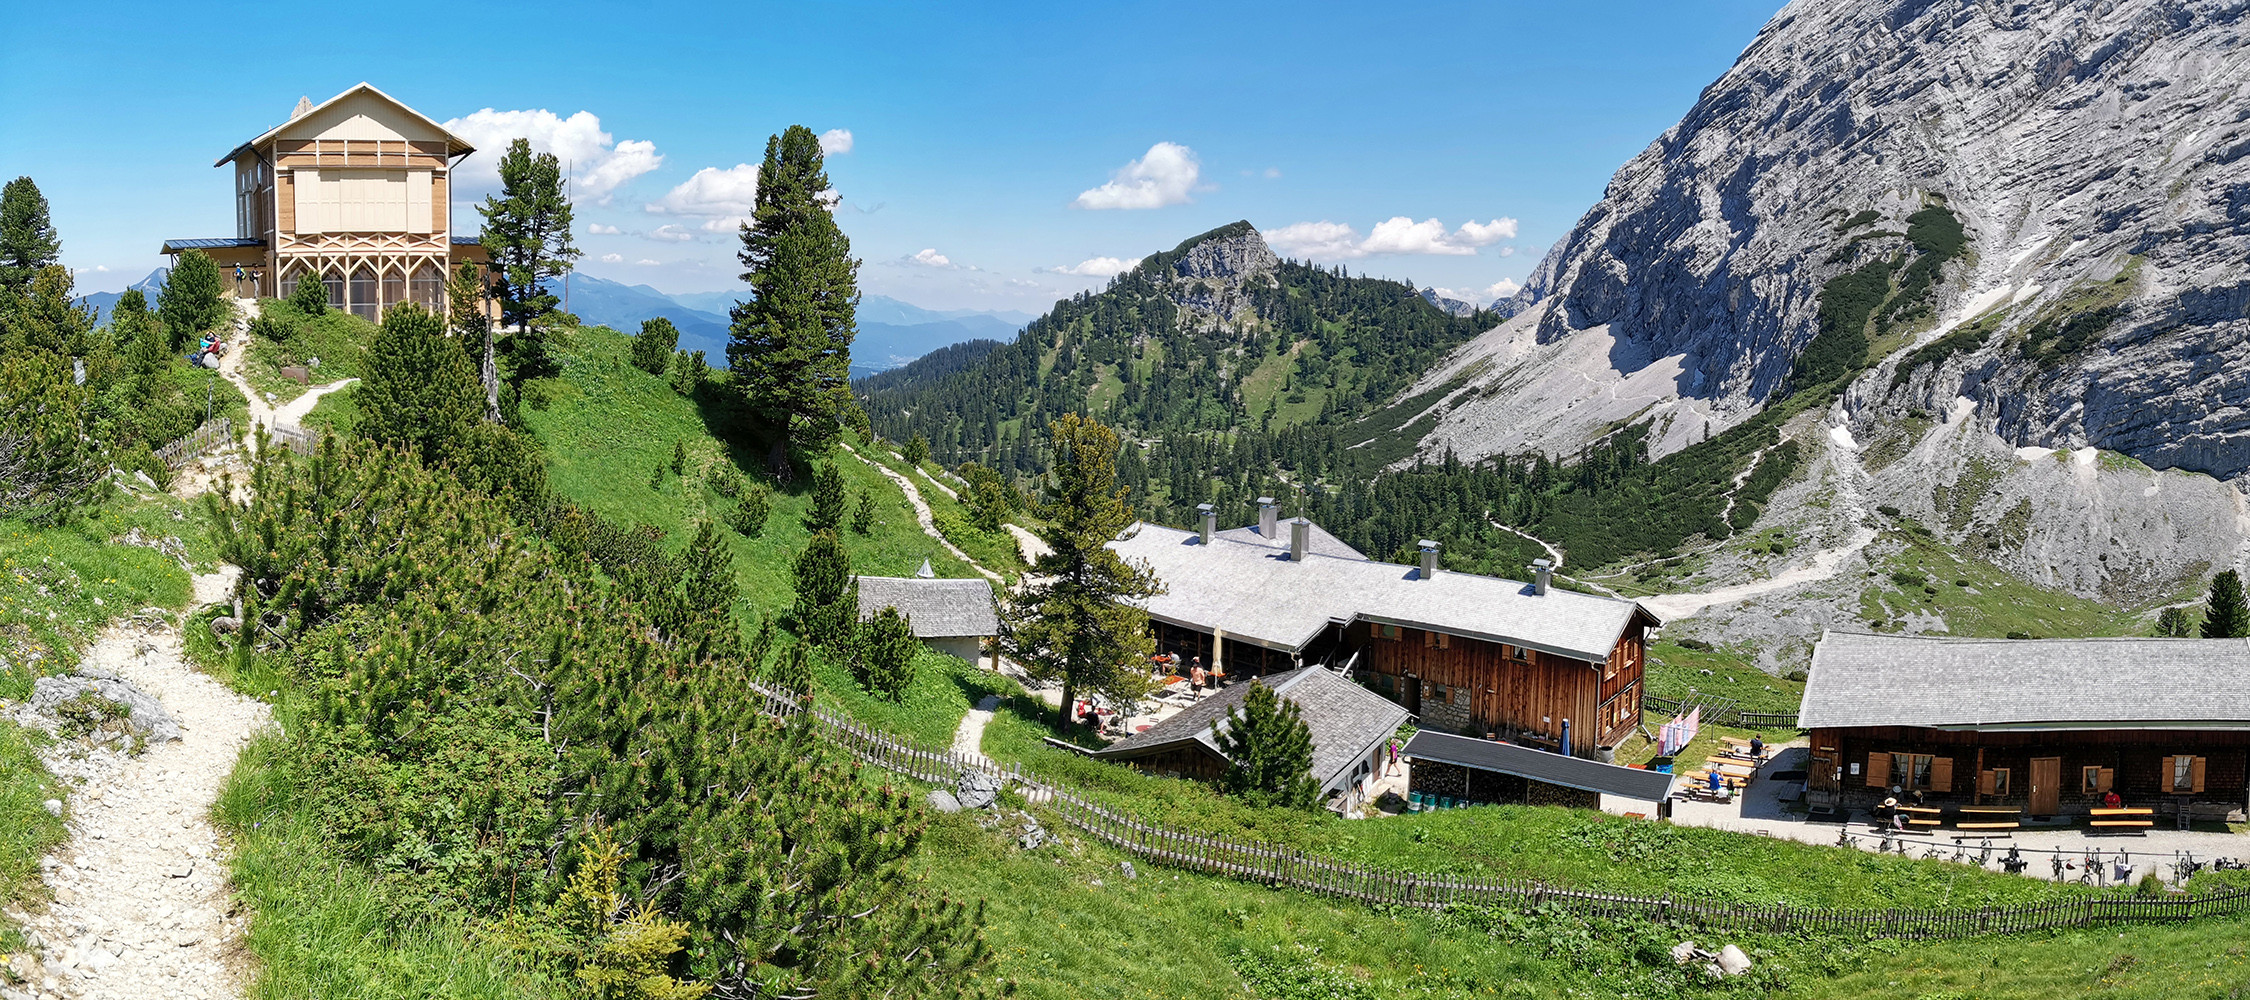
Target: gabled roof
[269,134]
[1254,592]
[1346,722]
[938,609]
[1583,773]
[1862,680]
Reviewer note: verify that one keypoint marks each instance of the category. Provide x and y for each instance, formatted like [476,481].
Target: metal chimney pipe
[1210,520]
[1542,573]
[1300,534]
[1429,559]
[1269,514]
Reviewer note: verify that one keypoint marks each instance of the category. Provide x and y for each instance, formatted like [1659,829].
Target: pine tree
[2177,623]
[465,314]
[190,304]
[883,655]
[709,592]
[418,390]
[1269,751]
[827,510]
[527,233]
[790,344]
[653,347]
[2224,614]
[792,671]
[750,512]
[827,608]
[28,242]
[1074,624]
[679,458]
[310,297]
[863,515]
[917,450]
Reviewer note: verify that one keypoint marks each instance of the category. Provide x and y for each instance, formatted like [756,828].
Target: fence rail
[1275,865]
[296,439]
[1719,711]
[196,442]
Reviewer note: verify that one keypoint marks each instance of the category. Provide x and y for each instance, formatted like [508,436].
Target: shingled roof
[2027,684]
[1582,773]
[1346,722]
[938,609]
[1316,540]
[1253,591]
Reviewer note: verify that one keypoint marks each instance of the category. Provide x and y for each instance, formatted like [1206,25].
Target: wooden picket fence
[1719,711]
[296,439]
[189,447]
[1277,866]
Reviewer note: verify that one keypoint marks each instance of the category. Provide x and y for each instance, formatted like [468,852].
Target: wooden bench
[1924,822]
[2120,820]
[2010,825]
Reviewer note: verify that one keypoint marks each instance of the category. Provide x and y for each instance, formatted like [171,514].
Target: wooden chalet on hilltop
[353,193]
[1466,653]
[2049,725]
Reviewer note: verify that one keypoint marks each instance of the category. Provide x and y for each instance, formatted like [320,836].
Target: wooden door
[2046,786]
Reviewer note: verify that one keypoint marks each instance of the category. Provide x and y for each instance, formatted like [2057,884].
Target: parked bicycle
[2014,863]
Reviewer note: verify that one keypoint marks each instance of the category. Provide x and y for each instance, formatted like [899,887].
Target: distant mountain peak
[1232,251]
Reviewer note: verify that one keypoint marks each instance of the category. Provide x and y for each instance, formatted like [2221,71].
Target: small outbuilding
[954,617]
[1350,728]
[1493,772]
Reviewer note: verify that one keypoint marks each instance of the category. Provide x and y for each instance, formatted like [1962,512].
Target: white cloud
[611,258]
[1098,267]
[929,257]
[1163,176]
[1315,240]
[1481,296]
[96,269]
[1398,235]
[713,192]
[726,224]
[599,164]
[645,262]
[670,234]
[598,229]
[836,141]
[1507,251]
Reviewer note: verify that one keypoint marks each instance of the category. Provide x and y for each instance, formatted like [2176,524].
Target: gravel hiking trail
[922,511]
[141,906]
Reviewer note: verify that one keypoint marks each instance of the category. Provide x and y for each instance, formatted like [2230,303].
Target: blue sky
[992,146]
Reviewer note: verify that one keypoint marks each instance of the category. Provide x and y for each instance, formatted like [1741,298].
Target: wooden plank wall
[1508,693]
[2136,755]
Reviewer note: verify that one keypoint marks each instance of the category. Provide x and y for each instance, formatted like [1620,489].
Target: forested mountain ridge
[1217,359]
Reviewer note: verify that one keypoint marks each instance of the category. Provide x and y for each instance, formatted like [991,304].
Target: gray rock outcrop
[943,801]
[976,790]
[2079,143]
[148,717]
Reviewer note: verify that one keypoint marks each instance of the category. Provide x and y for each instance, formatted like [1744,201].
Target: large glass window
[335,284]
[364,304]
[2183,774]
[427,288]
[394,288]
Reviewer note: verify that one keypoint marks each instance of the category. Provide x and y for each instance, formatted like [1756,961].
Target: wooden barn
[954,617]
[1465,653]
[2047,725]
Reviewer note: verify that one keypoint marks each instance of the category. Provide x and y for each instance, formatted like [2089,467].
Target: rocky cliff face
[1208,274]
[2097,152]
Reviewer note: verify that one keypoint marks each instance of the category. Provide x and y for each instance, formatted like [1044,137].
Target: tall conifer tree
[790,346]
[527,234]
[1269,751]
[190,303]
[2225,616]
[27,235]
[827,608]
[1074,624]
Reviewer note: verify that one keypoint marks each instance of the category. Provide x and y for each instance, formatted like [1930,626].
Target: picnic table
[2120,819]
[1988,818]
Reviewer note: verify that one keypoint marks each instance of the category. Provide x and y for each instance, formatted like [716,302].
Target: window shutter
[1984,783]
[2195,774]
[306,185]
[1878,770]
[1444,641]
[1429,639]
[2108,778]
[1941,774]
[2169,782]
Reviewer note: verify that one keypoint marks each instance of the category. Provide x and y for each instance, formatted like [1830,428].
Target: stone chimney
[1210,520]
[1542,573]
[1269,516]
[1300,535]
[1429,559]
